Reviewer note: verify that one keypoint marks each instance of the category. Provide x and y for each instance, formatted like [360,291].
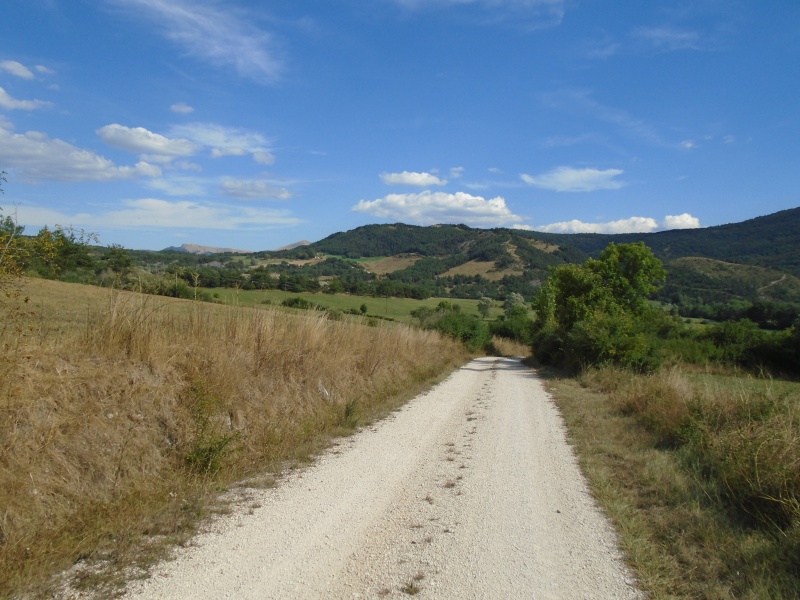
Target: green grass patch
[398,309]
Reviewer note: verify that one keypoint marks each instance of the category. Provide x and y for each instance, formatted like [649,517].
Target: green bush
[448,318]
[620,339]
[468,329]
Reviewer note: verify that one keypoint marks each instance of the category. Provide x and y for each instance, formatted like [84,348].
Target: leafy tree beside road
[598,312]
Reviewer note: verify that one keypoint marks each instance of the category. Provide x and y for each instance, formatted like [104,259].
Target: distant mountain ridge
[198,249]
[771,241]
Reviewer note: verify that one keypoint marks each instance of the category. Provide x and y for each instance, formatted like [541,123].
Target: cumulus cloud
[16,69]
[227,141]
[567,179]
[429,208]
[35,156]
[181,108]
[630,225]
[684,221]
[412,178]
[214,33]
[141,141]
[253,189]
[10,103]
[157,213]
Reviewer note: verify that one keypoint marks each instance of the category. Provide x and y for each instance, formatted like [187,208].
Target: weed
[411,588]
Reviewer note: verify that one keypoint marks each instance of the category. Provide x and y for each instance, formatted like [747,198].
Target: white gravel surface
[469,491]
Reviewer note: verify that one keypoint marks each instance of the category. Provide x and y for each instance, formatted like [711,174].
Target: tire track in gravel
[469,491]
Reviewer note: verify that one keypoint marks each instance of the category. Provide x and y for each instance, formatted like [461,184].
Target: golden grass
[389,264]
[506,347]
[124,413]
[482,268]
[687,464]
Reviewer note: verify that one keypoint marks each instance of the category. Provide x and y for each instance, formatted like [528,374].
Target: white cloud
[567,179]
[688,144]
[148,170]
[429,208]
[44,70]
[181,108]
[16,69]
[34,156]
[140,140]
[227,141]
[456,172]
[729,139]
[684,221]
[631,225]
[187,165]
[263,157]
[157,213]
[10,103]
[253,189]
[412,178]
[215,33]
[176,185]
[669,39]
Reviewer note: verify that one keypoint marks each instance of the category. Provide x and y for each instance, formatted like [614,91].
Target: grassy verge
[122,416]
[699,472]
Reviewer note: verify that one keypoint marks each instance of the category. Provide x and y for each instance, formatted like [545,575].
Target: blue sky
[253,125]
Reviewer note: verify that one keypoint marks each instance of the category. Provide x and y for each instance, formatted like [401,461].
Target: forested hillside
[747,269]
[771,241]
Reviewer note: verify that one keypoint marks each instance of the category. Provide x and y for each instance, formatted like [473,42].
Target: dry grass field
[122,415]
[389,264]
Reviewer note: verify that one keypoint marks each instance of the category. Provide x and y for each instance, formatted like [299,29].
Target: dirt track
[470,491]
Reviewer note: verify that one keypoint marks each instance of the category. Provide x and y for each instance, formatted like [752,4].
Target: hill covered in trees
[747,269]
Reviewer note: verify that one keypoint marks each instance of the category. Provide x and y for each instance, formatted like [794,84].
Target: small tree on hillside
[484,306]
[513,300]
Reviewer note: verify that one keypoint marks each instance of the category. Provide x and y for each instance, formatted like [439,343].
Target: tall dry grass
[122,412]
[701,471]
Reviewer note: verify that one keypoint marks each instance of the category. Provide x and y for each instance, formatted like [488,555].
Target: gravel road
[469,491]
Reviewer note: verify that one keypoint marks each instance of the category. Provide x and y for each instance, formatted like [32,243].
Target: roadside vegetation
[690,436]
[122,415]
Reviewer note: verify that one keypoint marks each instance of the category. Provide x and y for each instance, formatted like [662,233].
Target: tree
[598,311]
[513,300]
[119,261]
[484,306]
[630,272]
